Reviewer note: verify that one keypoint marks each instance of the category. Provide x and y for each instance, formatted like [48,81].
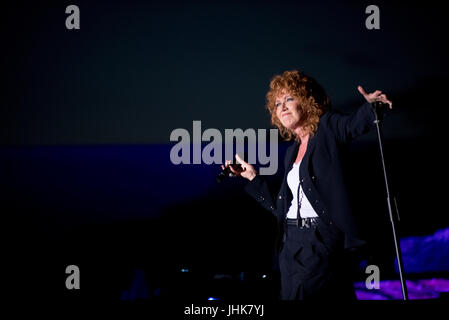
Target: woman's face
[287,110]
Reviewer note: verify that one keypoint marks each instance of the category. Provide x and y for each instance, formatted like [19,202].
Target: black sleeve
[348,127]
[258,189]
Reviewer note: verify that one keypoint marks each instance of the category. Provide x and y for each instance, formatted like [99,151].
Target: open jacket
[320,174]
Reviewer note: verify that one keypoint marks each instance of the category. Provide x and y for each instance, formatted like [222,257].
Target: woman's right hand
[245,170]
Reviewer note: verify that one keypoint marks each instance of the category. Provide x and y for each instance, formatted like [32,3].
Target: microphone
[226,172]
[379,110]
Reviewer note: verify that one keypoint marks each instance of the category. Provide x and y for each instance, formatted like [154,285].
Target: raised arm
[348,127]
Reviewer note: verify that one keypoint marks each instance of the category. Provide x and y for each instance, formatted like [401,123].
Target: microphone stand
[375,107]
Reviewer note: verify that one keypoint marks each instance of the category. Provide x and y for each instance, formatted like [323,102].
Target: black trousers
[314,266]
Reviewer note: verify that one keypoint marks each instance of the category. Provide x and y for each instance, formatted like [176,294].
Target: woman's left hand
[375,96]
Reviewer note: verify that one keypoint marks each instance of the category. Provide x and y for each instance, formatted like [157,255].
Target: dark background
[86,117]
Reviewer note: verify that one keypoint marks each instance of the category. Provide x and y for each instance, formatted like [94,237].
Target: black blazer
[320,174]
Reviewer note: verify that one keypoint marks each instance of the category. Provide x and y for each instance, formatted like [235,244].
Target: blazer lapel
[310,147]
[290,157]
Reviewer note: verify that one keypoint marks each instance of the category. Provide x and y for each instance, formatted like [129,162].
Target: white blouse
[305,208]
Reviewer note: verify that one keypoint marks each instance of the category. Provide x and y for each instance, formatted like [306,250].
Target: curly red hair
[313,101]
